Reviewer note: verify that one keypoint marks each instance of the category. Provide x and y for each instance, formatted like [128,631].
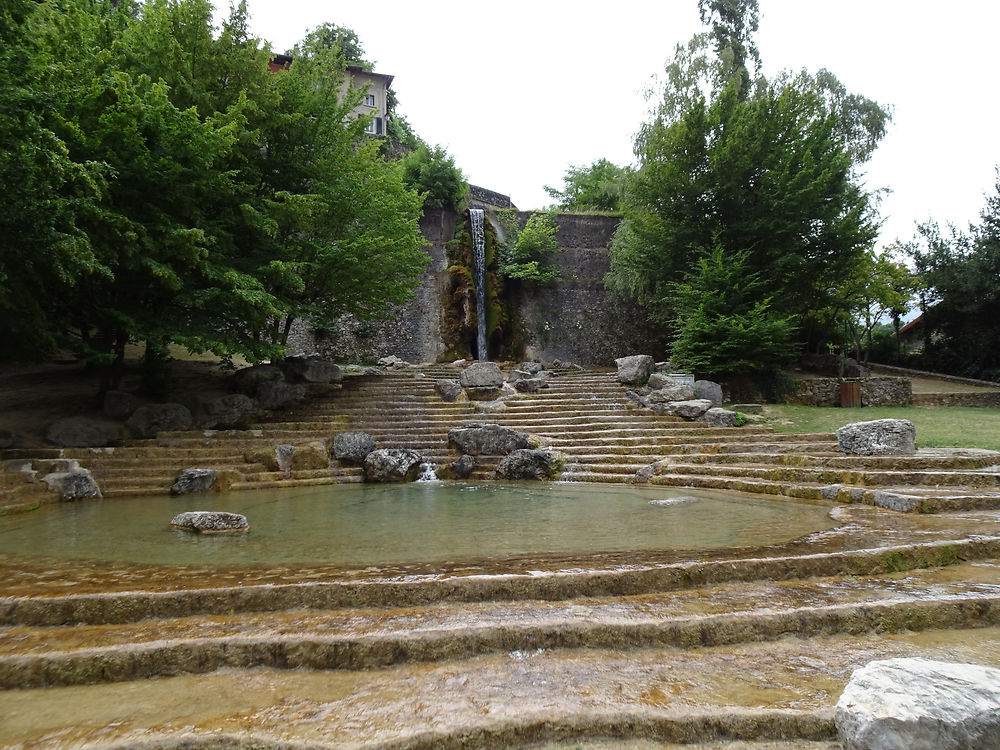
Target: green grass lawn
[942,426]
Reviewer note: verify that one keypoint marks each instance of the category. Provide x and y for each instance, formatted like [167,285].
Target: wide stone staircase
[745,648]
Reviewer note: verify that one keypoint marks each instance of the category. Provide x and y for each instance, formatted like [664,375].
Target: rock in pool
[211,522]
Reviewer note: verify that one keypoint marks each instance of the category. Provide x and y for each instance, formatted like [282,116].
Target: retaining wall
[573,320]
[874,392]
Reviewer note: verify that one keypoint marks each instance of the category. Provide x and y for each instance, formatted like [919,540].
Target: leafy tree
[961,297]
[344,42]
[432,172]
[193,197]
[880,287]
[725,328]
[529,254]
[769,171]
[44,248]
[597,187]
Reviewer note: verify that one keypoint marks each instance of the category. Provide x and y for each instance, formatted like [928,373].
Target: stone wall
[576,319]
[412,331]
[990,399]
[874,392]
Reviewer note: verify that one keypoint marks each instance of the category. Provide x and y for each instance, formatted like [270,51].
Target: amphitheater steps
[763,659]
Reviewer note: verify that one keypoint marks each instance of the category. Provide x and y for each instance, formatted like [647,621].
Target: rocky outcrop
[479,439]
[392,465]
[82,432]
[211,522]
[919,704]
[148,420]
[527,463]
[194,480]
[634,370]
[352,448]
[73,484]
[880,437]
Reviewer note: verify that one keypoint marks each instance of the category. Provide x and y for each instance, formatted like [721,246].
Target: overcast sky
[518,91]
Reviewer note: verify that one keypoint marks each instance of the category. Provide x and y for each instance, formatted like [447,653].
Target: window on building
[370,100]
[370,127]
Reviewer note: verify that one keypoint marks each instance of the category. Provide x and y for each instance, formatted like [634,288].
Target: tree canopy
[180,191]
[596,187]
[766,172]
[960,298]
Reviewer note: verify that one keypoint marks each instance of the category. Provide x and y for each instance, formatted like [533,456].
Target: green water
[419,522]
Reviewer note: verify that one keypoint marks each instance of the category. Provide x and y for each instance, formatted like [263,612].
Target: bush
[433,174]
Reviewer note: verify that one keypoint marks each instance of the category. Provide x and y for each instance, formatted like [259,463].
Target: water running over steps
[476,219]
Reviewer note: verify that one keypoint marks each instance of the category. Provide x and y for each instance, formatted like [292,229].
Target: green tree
[769,171]
[960,300]
[344,43]
[529,254]
[44,248]
[433,174]
[196,198]
[597,187]
[725,327]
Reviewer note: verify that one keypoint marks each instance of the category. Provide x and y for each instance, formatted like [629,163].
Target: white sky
[517,91]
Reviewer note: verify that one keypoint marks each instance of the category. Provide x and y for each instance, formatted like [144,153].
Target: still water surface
[419,522]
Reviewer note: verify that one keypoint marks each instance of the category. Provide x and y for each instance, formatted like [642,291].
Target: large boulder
[481,380]
[120,404]
[392,465]
[274,394]
[920,704]
[249,379]
[148,420]
[232,411]
[688,409]
[194,480]
[659,380]
[716,417]
[479,439]
[83,432]
[352,447]
[531,385]
[284,456]
[673,391]
[526,463]
[211,522]
[708,389]
[311,455]
[392,362]
[448,390]
[463,466]
[73,484]
[532,368]
[880,437]
[634,370]
[311,370]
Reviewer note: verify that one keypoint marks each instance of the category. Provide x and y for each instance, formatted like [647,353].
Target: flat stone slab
[920,704]
[211,522]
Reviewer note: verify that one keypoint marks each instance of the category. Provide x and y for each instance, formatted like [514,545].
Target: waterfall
[476,218]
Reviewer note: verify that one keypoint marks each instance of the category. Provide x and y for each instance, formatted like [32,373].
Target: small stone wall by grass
[874,392]
[980,399]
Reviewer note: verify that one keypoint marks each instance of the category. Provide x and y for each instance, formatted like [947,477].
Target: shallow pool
[418,522]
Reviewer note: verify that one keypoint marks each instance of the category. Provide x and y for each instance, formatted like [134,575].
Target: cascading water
[476,219]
